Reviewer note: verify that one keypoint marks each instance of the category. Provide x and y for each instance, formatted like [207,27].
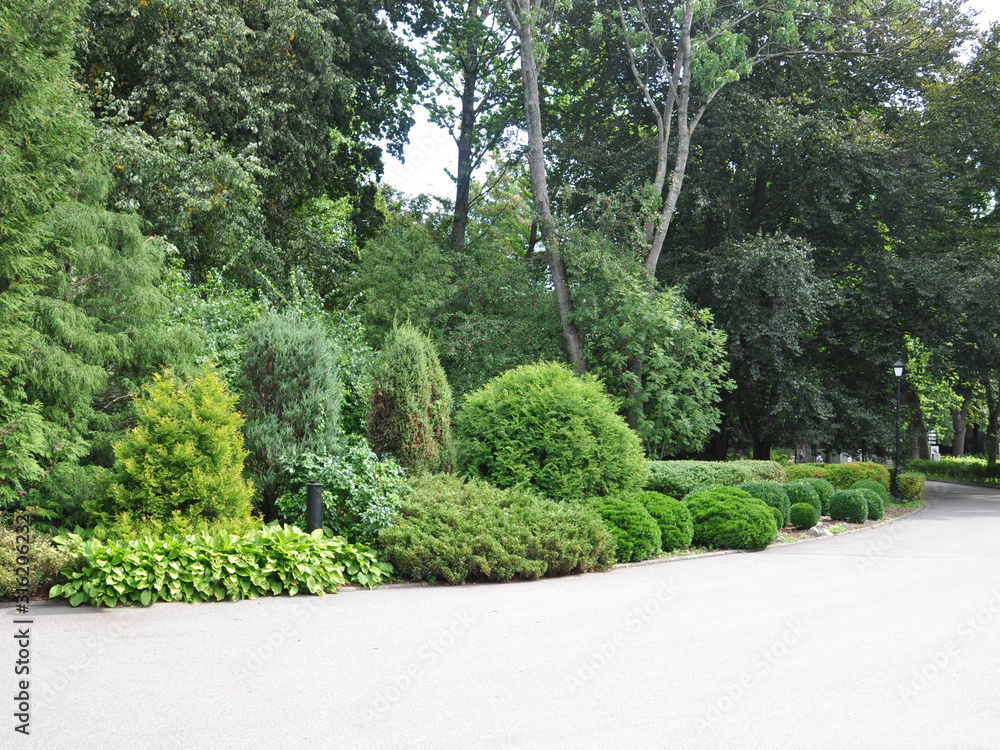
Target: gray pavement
[885,638]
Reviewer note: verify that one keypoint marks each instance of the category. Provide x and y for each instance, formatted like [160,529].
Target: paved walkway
[887,638]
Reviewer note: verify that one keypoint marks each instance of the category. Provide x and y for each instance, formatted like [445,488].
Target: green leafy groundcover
[202,567]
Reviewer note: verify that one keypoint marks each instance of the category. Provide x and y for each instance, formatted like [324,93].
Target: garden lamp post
[898,368]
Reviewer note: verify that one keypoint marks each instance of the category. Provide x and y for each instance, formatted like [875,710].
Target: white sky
[431,150]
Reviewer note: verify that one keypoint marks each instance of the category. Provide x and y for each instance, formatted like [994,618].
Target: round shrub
[876,487]
[411,403]
[911,486]
[779,517]
[849,505]
[825,491]
[876,508]
[184,456]
[455,531]
[843,476]
[729,518]
[773,494]
[636,532]
[676,527]
[804,515]
[291,397]
[800,491]
[544,426]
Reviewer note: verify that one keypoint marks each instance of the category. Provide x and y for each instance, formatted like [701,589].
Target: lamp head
[898,368]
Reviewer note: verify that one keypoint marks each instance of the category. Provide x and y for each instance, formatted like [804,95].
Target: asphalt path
[883,638]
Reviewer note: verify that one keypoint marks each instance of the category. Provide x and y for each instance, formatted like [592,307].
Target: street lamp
[898,368]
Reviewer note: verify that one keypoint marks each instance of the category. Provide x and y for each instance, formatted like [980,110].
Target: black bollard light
[314,506]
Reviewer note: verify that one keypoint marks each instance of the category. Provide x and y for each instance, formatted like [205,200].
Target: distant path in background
[887,638]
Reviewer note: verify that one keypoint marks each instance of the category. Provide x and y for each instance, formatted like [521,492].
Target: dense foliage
[825,491]
[213,566]
[44,568]
[541,425]
[773,494]
[804,515]
[729,518]
[911,486]
[678,478]
[411,403]
[673,518]
[637,534]
[361,492]
[454,530]
[801,491]
[185,456]
[849,505]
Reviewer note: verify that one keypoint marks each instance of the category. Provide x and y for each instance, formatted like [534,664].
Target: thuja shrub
[804,515]
[291,397]
[801,491]
[843,476]
[543,426]
[680,478]
[673,518]
[825,491]
[213,566]
[361,493]
[873,501]
[877,487]
[456,531]
[849,505]
[637,534]
[411,403]
[185,456]
[729,518]
[772,494]
[911,486]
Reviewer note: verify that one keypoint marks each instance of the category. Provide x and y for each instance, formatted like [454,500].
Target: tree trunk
[761,449]
[958,423]
[922,448]
[525,26]
[634,390]
[993,411]
[464,174]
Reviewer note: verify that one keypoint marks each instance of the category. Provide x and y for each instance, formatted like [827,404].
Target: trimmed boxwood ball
[804,515]
[544,426]
[779,517]
[676,527]
[803,492]
[849,505]
[876,487]
[825,490]
[876,508]
[636,532]
[773,494]
[729,518]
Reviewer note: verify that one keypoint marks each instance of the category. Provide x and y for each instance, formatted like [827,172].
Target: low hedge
[202,567]
[841,476]
[773,494]
[975,470]
[456,531]
[729,518]
[804,515]
[849,505]
[911,487]
[801,491]
[637,534]
[673,518]
[680,478]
